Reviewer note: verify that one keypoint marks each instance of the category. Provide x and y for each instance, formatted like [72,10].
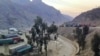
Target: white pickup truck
[14,31]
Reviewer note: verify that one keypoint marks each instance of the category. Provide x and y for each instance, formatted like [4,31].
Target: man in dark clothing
[49,37]
[56,36]
[33,34]
[85,32]
[78,32]
[40,42]
[37,29]
[45,42]
[79,37]
[37,40]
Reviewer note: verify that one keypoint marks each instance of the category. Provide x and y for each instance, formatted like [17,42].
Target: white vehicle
[12,31]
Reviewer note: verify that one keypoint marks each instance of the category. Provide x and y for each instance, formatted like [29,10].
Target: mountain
[21,13]
[91,17]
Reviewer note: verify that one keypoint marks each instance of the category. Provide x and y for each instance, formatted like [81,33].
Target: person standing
[29,40]
[33,34]
[79,37]
[45,43]
[40,42]
[85,32]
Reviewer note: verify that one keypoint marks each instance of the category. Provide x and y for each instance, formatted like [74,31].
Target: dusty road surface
[62,47]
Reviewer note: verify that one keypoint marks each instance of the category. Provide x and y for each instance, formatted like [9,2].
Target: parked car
[20,50]
[6,41]
[16,38]
[20,33]
[12,31]
[12,37]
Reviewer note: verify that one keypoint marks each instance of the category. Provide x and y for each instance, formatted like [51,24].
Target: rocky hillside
[21,13]
[67,32]
[89,17]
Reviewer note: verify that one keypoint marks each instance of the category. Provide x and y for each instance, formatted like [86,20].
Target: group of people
[81,33]
[38,38]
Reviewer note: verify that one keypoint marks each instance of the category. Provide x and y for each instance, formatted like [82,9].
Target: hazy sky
[73,7]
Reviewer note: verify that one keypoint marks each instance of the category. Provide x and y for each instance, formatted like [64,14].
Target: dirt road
[62,47]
